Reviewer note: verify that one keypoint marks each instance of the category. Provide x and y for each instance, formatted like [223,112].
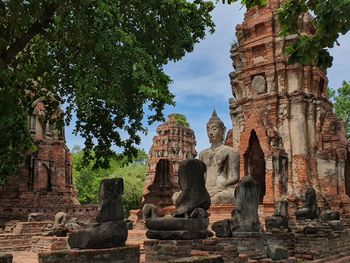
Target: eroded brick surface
[286,107]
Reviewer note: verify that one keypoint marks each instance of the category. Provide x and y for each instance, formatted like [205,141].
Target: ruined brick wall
[287,109]
[44,182]
[173,143]
[85,213]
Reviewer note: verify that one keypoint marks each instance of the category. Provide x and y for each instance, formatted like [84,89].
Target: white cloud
[201,82]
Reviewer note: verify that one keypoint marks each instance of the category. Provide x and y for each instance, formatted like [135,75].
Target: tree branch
[9,55]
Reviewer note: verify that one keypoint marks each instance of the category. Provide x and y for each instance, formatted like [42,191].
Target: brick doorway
[163,173]
[254,163]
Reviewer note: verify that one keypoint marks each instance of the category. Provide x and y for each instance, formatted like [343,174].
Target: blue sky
[201,82]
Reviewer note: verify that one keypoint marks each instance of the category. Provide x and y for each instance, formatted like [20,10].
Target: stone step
[15,237]
[14,242]
[16,248]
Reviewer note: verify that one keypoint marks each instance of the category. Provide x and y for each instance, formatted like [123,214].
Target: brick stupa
[284,126]
[173,143]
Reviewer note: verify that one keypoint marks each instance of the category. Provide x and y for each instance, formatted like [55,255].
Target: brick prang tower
[283,123]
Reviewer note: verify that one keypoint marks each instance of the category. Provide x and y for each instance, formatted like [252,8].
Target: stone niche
[259,84]
[284,126]
[255,164]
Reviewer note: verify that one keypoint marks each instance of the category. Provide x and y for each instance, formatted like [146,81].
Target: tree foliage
[331,19]
[181,119]
[14,139]
[341,99]
[102,59]
[87,180]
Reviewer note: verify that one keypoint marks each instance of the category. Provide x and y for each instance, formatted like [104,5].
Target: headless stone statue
[222,164]
[245,216]
[193,192]
[278,222]
[110,228]
[309,210]
[247,201]
[190,220]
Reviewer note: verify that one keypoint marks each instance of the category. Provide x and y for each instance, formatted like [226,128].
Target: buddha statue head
[215,129]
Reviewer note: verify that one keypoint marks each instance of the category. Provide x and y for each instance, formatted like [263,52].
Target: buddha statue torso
[222,164]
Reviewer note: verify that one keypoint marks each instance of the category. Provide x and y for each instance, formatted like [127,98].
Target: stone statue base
[130,254]
[104,235]
[172,228]
[176,235]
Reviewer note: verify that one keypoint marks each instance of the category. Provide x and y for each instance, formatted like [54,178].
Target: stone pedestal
[322,245]
[130,254]
[203,259]
[225,247]
[158,251]
[250,243]
[43,243]
[286,240]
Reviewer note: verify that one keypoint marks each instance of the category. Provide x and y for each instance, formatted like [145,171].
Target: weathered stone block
[222,228]
[176,234]
[164,250]
[129,254]
[201,259]
[277,252]
[36,217]
[175,224]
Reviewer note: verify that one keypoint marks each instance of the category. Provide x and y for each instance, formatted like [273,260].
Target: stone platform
[158,251]
[130,254]
[17,236]
[44,243]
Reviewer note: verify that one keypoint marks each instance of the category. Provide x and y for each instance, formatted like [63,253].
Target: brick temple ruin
[288,139]
[44,183]
[284,126]
[173,143]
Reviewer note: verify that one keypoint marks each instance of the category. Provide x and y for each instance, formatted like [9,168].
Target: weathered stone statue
[190,220]
[36,217]
[245,216]
[193,193]
[222,164]
[309,210]
[59,228]
[278,222]
[110,229]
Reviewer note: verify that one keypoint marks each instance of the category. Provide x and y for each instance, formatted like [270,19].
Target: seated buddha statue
[222,164]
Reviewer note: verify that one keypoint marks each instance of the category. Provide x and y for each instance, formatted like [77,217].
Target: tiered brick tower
[283,123]
[173,143]
[44,182]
